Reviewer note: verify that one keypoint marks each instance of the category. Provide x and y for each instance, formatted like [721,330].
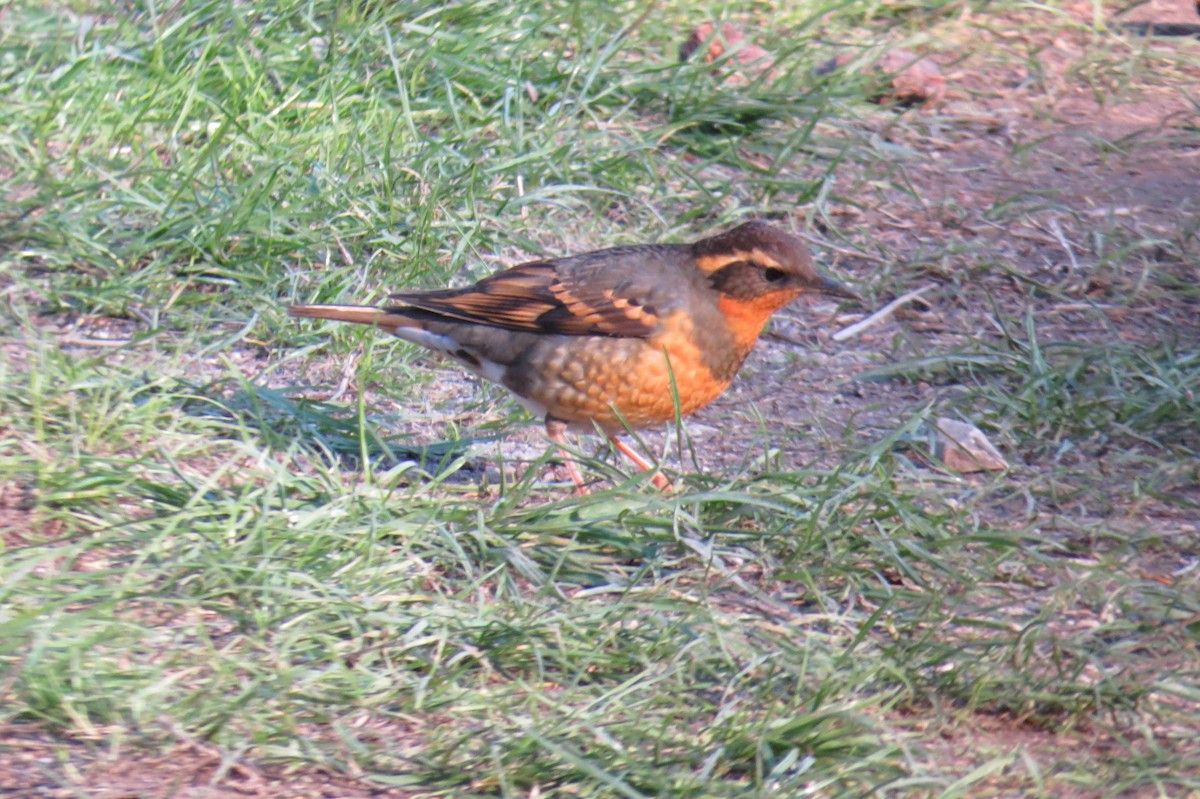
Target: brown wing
[538,297]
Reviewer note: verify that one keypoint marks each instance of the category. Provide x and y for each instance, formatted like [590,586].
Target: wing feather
[538,297]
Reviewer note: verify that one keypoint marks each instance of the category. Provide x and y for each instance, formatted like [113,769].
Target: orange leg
[556,430]
[660,480]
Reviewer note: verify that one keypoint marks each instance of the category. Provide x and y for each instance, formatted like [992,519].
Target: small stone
[915,79]
[319,47]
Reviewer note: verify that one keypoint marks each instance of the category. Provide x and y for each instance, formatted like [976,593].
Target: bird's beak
[828,285]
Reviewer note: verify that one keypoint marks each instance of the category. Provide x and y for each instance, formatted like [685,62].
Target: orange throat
[747,318]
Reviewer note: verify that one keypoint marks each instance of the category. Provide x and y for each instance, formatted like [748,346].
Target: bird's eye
[774,275]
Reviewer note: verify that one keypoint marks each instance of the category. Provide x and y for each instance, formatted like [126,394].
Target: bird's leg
[660,480]
[556,429]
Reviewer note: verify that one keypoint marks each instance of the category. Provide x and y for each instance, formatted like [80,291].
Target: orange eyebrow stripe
[762,259]
[711,263]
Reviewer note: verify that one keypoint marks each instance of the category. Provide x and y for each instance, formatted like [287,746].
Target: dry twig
[881,315]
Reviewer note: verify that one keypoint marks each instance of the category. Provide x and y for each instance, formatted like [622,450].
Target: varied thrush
[623,337]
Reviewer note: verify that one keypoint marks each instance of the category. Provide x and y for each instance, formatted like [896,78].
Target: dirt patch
[1179,11]
[1030,192]
[35,764]
[20,522]
[1024,749]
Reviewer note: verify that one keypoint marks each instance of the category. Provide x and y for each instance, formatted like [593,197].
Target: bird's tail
[358,314]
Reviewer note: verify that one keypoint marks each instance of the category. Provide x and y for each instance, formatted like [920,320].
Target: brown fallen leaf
[913,80]
[962,447]
[745,57]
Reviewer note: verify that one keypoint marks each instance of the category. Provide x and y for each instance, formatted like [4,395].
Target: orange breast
[582,379]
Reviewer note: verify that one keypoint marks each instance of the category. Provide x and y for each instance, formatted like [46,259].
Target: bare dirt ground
[1029,167]
[40,766]
[1040,133]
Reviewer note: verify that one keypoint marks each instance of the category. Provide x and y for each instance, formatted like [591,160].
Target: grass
[209,558]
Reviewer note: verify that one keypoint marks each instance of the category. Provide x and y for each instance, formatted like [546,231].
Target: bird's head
[761,265]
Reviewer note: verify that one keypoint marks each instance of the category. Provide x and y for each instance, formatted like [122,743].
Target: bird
[620,338]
